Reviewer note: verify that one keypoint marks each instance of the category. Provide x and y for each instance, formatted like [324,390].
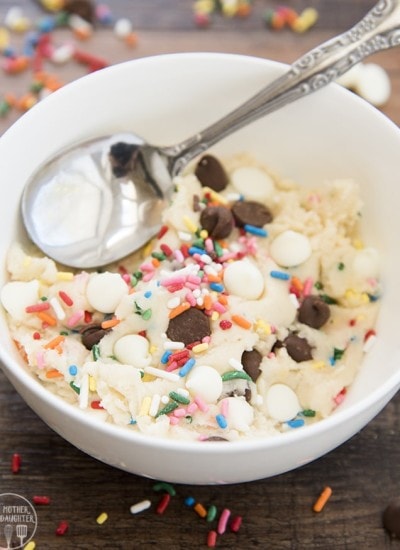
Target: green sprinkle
[218,249]
[43,298]
[189,419]
[211,513]
[340,266]
[164,486]
[338,353]
[199,243]
[96,352]
[159,256]
[235,375]
[328,299]
[75,388]
[318,285]
[134,280]
[308,412]
[138,275]
[169,407]
[176,396]
[146,314]
[64,333]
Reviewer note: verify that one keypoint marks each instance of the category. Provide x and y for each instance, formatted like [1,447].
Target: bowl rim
[31,384]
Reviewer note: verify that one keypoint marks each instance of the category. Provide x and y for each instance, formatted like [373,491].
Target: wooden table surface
[277,513]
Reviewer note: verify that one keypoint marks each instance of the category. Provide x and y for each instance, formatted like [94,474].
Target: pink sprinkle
[126,277]
[206,339]
[147,266]
[190,298]
[40,360]
[195,279]
[148,276]
[192,408]
[217,306]
[227,256]
[340,396]
[175,280]
[172,366]
[191,286]
[308,283]
[223,520]
[201,404]
[209,245]
[75,318]
[224,407]
[173,420]
[179,413]
[179,257]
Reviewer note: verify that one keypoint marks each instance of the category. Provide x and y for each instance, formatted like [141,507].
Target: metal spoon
[121,211]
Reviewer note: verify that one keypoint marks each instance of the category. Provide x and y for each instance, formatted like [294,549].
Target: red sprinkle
[340,396]
[35,308]
[96,405]
[65,298]
[175,288]
[88,317]
[16,463]
[163,504]
[369,333]
[41,500]
[162,231]
[62,528]
[166,249]
[185,250]
[225,324]
[143,333]
[36,336]
[236,523]
[211,539]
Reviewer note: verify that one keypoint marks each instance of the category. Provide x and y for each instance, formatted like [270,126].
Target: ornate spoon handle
[378,30]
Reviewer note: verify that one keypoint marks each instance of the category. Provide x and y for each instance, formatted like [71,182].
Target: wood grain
[277,513]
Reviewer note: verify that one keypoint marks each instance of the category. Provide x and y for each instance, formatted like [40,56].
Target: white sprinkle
[294,300]
[196,292]
[183,392]
[58,310]
[210,270]
[173,302]
[237,365]
[173,345]
[162,374]
[123,27]
[155,403]
[84,392]
[165,399]
[233,197]
[140,507]
[187,237]
[369,342]
[200,301]
[206,259]
[259,400]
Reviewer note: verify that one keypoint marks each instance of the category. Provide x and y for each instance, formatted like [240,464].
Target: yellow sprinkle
[102,518]
[305,21]
[4,38]
[153,349]
[204,6]
[27,261]
[65,275]
[190,224]
[203,234]
[30,546]
[262,326]
[214,316]
[145,406]
[350,293]
[364,298]
[318,365]
[200,347]
[148,377]
[358,244]
[92,384]
[148,249]
[216,197]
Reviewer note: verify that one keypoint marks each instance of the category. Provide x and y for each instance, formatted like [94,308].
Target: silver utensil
[8,530]
[129,207]
[22,532]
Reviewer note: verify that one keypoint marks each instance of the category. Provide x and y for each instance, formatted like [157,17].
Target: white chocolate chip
[105,291]
[205,382]
[366,263]
[240,414]
[282,402]
[132,349]
[244,279]
[290,248]
[252,182]
[17,295]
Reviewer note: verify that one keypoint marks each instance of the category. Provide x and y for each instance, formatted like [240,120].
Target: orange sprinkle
[131,39]
[131,290]
[322,499]
[47,318]
[241,321]
[200,510]
[54,373]
[222,299]
[297,283]
[55,342]
[110,323]
[178,310]
[213,278]
[207,302]
[155,262]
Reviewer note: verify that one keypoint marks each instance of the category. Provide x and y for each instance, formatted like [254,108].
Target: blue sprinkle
[221,420]
[132,422]
[165,356]
[296,423]
[279,275]
[217,287]
[195,250]
[259,231]
[187,367]
[73,370]
[332,361]
[148,294]
[189,501]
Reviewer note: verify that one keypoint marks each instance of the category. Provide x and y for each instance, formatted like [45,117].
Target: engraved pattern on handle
[378,30]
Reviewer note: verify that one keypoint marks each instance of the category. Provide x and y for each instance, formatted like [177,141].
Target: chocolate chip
[314,311]
[196,203]
[121,158]
[298,348]
[210,172]
[218,221]
[92,334]
[83,8]
[252,213]
[391,518]
[251,362]
[190,326]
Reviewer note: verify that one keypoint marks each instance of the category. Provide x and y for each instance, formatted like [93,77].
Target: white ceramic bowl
[165,99]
